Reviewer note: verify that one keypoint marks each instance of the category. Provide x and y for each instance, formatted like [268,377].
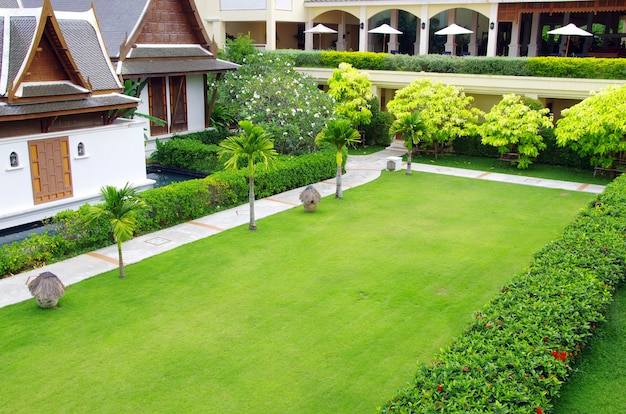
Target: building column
[424,39]
[472,47]
[363,28]
[588,40]
[450,44]
[393,38]
[563,39]
[341,34]
[308,37]
[533,43]
[492,37]
[270,26]
[514,43]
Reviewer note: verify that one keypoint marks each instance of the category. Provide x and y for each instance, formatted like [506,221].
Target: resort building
[498,28]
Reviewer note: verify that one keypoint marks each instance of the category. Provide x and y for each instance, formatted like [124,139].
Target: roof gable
[36,52]
[168,22]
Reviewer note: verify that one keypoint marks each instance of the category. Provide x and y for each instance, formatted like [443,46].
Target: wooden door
[158,105]
[178,103]
[50,169]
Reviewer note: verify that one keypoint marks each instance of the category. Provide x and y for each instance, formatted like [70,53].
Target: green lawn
[598,382]
[314,313]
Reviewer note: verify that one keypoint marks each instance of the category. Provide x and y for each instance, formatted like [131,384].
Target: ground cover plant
[313,313]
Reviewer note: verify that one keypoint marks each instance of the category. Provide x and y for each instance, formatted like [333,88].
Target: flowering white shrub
[268,91]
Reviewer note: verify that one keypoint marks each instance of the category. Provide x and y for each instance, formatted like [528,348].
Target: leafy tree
[270,93]
[445,110]
[412,128]
[339,133]
[352,91]
[121,207]
[515,127]
[253,144]
[596,126]
[239,48]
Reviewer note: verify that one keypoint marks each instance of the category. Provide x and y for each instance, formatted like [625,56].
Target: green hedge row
[189,154]
[555,67]
[519,349]
[167,206]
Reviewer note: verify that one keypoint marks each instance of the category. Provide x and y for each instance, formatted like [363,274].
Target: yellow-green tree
[445,109]
[596,127]
[338,133]
[513,126]
[352,90]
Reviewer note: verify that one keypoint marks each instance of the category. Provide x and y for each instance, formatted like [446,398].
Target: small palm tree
[120,207]
[412,128]
[254,143]
[338,133]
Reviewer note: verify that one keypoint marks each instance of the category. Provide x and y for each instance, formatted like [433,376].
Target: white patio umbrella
[385,30]
[320,29]
[453,30]
[569,30]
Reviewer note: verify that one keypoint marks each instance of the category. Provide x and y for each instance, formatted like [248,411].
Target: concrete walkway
[359,170]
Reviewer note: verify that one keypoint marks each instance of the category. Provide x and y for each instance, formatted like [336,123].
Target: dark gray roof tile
[21,35]
[36,89]
[166,51]
[163,66]
[91,103]
[88,53]
[9,4]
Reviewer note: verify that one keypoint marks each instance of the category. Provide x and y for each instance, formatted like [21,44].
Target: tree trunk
[120,260]
[338,192]
[409,156]
[251,200]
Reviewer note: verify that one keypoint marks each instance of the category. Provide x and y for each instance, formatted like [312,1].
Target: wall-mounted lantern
[423,25]
[362,25]
[492,25]
[81,149]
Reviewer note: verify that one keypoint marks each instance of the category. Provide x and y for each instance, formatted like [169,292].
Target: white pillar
[472,47]
[450,44]
[341,34]
[425,32]
[308,37]
[393,39]
[363,28]
[533,44]
[270,26]
[514,44]
[492,38]
[418,34]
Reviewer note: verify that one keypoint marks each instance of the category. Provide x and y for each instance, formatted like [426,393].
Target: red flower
[439,388]
[545,339]
[563,356]
[538,410]
[556,355]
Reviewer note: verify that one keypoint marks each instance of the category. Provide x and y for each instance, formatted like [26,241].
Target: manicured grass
[553,172]
[313,313]
[597,384]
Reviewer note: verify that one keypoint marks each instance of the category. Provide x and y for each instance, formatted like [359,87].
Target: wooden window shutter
[158,105]
[178,103]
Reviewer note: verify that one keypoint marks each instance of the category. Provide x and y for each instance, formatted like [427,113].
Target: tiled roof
[88,51]
[166,51]
[41,89]
[113,100]
[156,67]
[117,18]
[9,4]
[21,35]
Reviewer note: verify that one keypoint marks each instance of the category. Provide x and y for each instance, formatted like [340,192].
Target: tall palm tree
[252,144]
[120,207]
[412,128]
[338,133]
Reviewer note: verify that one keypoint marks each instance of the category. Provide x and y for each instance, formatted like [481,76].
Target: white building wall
[114,155]
[195,103]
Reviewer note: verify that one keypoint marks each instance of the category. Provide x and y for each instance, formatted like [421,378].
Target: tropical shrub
[269,92]
[377,131]
[352,91]
[520,347]
[188,154]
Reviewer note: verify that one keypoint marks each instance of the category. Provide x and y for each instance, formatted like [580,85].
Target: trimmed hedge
[188,153]
[167,206]
[515,355]
[555,67]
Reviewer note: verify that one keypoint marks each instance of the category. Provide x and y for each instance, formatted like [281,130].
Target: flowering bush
[519,349]
[269,92]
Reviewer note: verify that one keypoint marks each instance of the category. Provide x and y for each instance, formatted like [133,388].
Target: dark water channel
[161,175]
